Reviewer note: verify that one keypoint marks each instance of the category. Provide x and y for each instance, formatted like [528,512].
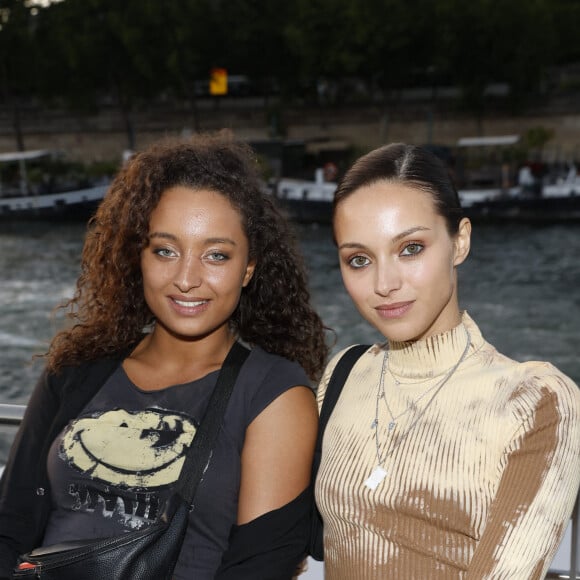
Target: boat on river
[310,201]
[490,188]
[542,203]
[29,189]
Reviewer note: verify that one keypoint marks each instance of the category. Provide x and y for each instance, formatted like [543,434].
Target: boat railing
[12,415]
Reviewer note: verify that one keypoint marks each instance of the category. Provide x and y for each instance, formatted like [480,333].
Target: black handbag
[150,553]
[335,384]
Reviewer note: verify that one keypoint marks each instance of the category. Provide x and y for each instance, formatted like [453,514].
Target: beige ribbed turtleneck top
[481,486]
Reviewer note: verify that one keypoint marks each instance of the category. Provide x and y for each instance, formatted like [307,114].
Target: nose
[188,275]
[387,279]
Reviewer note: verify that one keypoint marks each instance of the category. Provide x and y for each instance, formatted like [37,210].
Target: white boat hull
[79,203]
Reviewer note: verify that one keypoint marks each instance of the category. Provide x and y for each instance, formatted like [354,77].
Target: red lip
[394,310]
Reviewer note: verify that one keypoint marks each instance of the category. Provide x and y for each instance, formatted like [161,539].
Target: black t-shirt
[112,468]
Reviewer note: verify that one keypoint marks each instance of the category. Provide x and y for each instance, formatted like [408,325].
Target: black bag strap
[335,384]
[333,390]
[199,452]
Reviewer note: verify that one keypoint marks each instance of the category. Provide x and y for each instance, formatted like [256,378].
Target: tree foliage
[86,52]
[20,66]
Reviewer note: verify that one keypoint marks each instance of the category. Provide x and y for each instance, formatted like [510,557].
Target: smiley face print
[145,449]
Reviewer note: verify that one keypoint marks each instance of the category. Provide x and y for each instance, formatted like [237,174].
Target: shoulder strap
[199,452]
[335,384]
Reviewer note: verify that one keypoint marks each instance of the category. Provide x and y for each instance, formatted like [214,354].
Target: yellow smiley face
[144,449]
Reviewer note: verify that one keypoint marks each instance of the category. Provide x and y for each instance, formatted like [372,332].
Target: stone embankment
[103,136]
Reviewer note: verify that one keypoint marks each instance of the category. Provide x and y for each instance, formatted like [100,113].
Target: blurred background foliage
[83,54]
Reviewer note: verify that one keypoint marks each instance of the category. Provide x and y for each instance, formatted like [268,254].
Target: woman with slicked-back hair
[442,459]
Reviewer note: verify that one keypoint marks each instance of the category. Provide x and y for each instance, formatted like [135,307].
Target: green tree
[566,18]
[489,41]
[106,50]
[19,60]
[323,39]
[398,41]
[466,29]
[253,40]
[524,47]
[190,38]
[536,138]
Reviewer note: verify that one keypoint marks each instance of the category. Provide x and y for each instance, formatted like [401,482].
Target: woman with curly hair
[185,256]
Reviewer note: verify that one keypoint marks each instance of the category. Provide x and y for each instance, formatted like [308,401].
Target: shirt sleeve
[272,376]
[538,488]
[272,546]
[22,502]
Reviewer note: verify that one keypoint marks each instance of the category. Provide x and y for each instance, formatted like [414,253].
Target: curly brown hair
[109,310]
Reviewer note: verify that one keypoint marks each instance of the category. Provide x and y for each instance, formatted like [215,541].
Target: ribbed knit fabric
[482,486]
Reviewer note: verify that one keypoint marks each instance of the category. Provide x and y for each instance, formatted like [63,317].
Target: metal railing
[12,415]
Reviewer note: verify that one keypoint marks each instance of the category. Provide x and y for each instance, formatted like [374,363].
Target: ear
[249,273]
[462,242]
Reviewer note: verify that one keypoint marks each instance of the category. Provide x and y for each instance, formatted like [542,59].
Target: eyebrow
[163,235]
[408,232]
[173,238]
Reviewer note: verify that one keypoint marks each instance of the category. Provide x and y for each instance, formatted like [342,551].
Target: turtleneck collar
[433,356]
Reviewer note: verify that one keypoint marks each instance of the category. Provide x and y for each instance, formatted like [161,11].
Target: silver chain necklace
[379,473]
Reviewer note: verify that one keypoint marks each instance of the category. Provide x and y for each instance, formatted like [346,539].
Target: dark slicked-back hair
[410,165]
[109,310]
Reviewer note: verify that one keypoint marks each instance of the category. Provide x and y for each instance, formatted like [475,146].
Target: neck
[165,349]
[432,356]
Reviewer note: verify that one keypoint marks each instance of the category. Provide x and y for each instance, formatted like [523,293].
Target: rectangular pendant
[375,478]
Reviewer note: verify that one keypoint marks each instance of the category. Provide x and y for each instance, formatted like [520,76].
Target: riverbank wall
[103,136]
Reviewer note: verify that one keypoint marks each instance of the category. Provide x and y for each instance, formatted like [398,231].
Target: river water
[520,283]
